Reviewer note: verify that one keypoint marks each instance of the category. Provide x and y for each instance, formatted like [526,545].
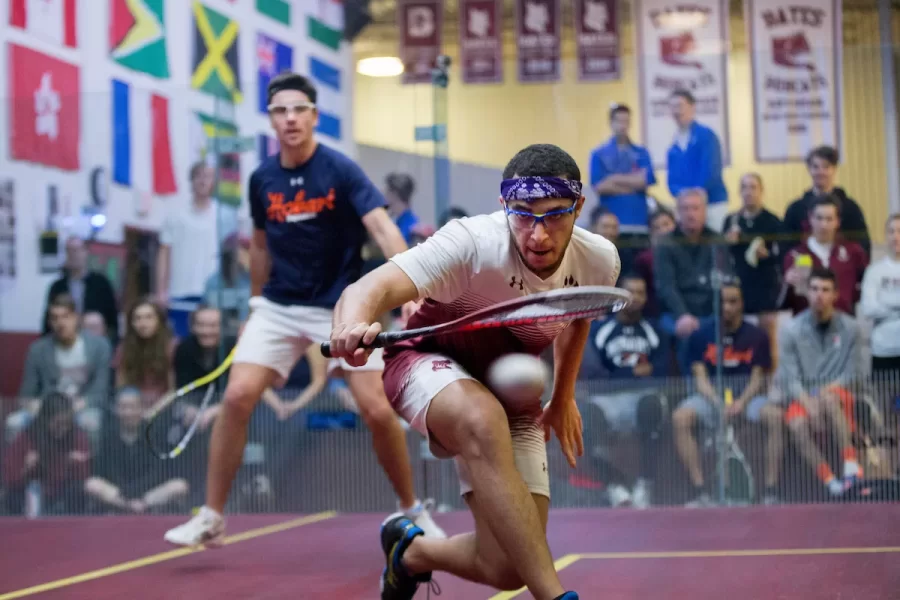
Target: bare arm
[379,291]
[384,232]
[260,262]
[163,255]
[754,387]
[568,349]
[701,379]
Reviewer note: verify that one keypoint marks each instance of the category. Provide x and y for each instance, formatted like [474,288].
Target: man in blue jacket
[694,159]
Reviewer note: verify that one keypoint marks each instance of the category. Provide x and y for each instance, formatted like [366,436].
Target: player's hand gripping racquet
[568,304]
[167,400]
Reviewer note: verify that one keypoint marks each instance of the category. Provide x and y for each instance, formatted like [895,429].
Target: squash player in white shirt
[531,245]
[880,302]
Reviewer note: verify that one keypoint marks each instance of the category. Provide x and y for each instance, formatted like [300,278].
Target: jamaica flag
[216,69]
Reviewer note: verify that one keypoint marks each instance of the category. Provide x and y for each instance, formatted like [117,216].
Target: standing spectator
[621,172]
[683,265]
[144,358]
[820,358]
[694,159]
[745,359]
[398,191]
[69,361]
[662,223]
[52,452]
[754,233]
[91,292]
[881,303]
[822,164]
[634,353]
[127,477]
[229,289]
[823,248]
[189,247]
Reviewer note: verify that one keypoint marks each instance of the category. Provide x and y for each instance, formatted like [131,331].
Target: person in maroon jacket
[824,248]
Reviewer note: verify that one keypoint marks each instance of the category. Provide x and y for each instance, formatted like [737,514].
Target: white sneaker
[206,528]
[421,516]
[640,495]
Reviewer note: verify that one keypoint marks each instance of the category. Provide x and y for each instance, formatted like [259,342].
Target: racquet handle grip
[380,340]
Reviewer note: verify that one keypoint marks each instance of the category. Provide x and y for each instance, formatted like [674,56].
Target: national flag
[267,146]
[327,78]
[280,10]
[142,150]
[53,20]
[216,65]
[137,36]
[326,23]
[203,133]
[272,57]
[45,119]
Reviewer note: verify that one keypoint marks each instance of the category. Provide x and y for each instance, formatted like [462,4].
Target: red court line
[340,558]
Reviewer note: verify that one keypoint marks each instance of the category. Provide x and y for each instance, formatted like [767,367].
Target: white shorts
[423,379]
[277,336]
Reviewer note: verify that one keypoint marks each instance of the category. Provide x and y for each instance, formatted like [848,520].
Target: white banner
[682,46]
[797,65]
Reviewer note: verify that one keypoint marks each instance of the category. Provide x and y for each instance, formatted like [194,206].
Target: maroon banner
[538,40]
[597,40]
[421,22]
[481,40]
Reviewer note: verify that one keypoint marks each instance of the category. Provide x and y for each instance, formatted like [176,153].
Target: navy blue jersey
[312,218]
[743,349]
[618,348]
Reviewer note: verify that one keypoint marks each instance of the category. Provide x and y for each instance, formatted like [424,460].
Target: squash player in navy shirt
[312,210]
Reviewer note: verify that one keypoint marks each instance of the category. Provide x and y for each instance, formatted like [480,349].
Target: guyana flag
[216,68]
[205,129]
[137,36]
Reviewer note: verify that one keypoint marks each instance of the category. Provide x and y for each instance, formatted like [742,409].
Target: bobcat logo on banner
[597,39]
[480,42]
[421,22]
[682,46]
[797,67]
[538,40]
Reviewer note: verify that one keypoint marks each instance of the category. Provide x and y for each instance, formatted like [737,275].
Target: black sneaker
[397,533]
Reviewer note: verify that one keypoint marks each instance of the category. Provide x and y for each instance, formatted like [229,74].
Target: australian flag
[272,57]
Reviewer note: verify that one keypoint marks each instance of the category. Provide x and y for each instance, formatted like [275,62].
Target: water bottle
[33,500]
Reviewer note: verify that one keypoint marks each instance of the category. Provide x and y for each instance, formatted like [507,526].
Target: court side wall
[22,297]
[489,123]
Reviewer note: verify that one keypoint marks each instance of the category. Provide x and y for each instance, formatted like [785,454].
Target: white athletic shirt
[880,302]
[472,263]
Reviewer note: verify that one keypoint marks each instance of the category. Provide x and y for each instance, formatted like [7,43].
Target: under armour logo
[440,365]
[545,467]
[519,282]
[570,281]
[296,181]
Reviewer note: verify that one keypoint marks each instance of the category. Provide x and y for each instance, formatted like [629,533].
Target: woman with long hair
[144,358]
[52,452]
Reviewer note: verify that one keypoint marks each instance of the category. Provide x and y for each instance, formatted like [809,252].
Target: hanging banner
[481,40]
[682,46]
[538,40]
[597,40]
[797,65]
[421,23]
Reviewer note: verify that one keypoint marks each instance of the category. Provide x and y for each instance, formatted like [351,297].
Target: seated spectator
[745,359]
[662,223]
[127,477]
[229,289]
[454,212]
[847,260]
[52,453]
[881,303]
[91,291]
[683,265]
[820,358]
[398,191]
[420,233]
[822,164]
[621,171]
[92,322]
[144,358]
[605,223]
[756,250]
[66,360]
[634,353]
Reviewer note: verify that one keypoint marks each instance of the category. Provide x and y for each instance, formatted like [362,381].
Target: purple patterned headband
[538,188]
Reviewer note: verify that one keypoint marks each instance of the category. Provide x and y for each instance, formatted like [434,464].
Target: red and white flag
[53,20]
[45,123]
